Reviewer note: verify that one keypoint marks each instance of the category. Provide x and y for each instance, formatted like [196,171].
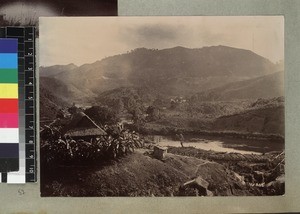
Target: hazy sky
[85,40]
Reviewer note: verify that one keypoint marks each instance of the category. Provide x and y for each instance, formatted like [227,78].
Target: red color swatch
[8,105]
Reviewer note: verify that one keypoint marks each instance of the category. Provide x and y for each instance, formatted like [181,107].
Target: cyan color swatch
[8,60]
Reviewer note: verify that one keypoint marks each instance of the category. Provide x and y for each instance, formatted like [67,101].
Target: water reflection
[218,145]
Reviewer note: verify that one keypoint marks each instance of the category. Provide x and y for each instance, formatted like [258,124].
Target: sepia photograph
[162,106]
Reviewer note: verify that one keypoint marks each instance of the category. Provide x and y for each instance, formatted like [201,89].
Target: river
[243,146]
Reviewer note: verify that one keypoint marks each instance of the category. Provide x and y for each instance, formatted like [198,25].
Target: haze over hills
[173,71]
[68,92]
[55,69]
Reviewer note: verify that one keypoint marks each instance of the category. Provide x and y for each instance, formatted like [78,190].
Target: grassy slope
[139,175]
[266,121]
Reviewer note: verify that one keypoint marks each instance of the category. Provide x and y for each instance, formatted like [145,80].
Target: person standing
[181,138]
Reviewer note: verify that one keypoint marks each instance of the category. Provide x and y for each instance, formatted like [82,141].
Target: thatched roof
[85,132]
[82,126]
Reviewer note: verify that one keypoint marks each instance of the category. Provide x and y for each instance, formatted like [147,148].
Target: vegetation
[64,150]
[59,147]
[147,93]
[102,115]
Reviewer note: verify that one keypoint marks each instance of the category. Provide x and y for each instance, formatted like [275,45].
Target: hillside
[262,120]
[245,116]
[66,91]
[214,82]
[268,86]
[128,98]
[55,69]
[141,175]
[54,95]
[174,71]
[49,105]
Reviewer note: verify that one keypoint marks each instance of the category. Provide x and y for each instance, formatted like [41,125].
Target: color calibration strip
[9,112]
[26,104]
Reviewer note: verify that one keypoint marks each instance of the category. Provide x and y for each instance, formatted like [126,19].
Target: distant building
[83,127]
[177,100]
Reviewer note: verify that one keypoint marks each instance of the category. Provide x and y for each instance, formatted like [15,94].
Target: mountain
[268,86]
[55,69]
[173,71]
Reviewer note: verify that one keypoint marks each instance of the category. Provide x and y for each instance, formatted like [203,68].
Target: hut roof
[85,132]
[82,125]
[199,181]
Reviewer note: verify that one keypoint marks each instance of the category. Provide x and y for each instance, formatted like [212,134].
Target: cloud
[152,35]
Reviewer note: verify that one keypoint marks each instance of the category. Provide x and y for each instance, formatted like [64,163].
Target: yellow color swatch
[8,90]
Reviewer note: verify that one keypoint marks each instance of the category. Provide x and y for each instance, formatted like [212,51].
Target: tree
[101,115]
[116,105]
[73,109]
[153,113]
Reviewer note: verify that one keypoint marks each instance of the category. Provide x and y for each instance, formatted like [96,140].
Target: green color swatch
[9,75]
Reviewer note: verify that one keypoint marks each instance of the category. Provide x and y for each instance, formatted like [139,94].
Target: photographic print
[27,12]
[162,106]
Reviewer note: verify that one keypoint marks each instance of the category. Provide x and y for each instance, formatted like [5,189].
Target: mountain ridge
[172,71]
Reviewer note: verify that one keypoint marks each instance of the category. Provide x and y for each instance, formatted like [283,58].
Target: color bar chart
[9,111]
[24,104]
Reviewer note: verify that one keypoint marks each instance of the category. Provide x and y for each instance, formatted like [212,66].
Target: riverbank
[156,129]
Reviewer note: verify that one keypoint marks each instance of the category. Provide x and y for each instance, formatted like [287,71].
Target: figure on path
[181,138]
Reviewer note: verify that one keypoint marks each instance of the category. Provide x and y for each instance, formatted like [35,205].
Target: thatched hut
[83,127]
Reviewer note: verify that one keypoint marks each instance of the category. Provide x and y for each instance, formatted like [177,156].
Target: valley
[220,97]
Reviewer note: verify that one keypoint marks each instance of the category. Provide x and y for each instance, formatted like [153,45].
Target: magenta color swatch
[9,120]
